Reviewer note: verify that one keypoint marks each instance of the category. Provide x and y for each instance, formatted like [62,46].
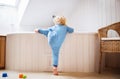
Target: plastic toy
[22,76]
[4,74]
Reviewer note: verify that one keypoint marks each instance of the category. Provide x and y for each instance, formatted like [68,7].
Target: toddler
[56,35]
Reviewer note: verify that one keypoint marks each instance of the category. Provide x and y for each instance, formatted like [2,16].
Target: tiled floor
[48,75]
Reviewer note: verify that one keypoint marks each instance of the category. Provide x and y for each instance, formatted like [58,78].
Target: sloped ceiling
[39,12]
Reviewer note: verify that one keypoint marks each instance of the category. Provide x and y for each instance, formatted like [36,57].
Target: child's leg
[55,59]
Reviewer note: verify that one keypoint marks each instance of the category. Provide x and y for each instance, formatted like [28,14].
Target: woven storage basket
[110,46]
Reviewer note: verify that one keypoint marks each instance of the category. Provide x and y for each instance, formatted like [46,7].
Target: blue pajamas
[56,35]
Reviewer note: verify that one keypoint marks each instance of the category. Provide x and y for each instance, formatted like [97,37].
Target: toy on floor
[4,75]
[22,76]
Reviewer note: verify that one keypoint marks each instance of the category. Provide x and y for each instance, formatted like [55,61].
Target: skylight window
[8,2]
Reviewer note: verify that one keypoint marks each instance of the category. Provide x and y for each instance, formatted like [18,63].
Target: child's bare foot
[55,72]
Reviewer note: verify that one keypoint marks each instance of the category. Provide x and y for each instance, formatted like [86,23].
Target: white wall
[10,18]
[88,16]
[7,19]
[21,9]
[92,14]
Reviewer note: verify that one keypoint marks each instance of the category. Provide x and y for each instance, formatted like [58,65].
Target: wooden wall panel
[31,52]
[2,51]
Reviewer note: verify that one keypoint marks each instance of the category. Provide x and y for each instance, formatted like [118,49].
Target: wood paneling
[31,52]
[2,51]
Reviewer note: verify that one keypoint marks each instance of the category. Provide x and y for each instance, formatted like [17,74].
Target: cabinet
[2,51]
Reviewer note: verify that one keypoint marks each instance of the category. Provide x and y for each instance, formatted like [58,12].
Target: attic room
[87,48]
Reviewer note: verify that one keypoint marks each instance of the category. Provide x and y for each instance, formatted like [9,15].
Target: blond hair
[60,20]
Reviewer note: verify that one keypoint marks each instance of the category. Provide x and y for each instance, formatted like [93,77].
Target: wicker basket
[108,46]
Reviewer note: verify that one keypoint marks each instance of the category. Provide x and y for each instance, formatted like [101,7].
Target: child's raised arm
[70,30]
[42,31]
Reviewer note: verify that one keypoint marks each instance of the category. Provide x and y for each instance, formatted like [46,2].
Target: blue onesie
[56,35]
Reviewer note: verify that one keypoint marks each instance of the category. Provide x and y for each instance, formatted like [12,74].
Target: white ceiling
[39,12]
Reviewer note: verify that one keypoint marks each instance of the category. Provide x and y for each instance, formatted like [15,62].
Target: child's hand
[36,30]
